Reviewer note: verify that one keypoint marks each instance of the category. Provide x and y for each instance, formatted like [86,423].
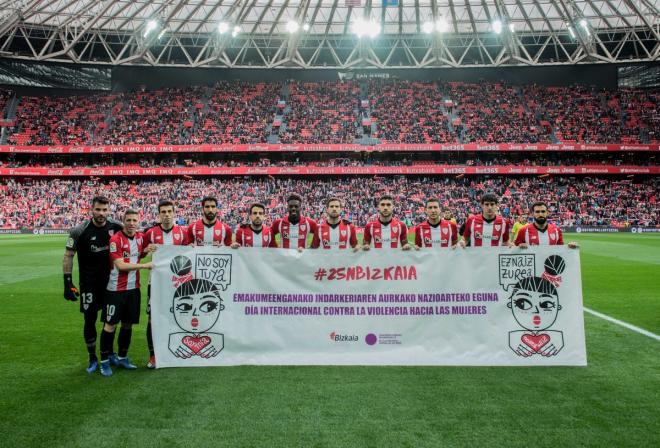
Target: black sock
[150,340]
[107,340]
[124,341]
[89,333]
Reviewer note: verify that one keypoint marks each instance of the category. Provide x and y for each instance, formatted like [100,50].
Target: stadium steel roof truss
[321,33]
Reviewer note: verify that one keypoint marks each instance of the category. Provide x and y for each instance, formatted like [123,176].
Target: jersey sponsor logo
[427,240]
[113,247]
[285,234]
[477,235]
[378,239]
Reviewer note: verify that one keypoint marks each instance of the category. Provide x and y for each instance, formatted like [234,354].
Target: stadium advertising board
[328,170]
[295,147]
[483,306]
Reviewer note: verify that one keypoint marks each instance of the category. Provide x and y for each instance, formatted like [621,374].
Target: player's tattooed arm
[67,261]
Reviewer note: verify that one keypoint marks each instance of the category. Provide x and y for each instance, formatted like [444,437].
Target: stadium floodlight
[497,26]
[442,25]
[306,27]
[223,27]
[428,27]
[585,25]
[571,32]
[237,29]
[362,27]
[162,33]
[512,27]
[292,26]
[151,25]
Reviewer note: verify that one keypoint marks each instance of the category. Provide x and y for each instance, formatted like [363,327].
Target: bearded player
[541,232]
[166,233]
[334,232]
[209,230]
[254,233]
[435,232]
[386,232]
[90,240]
[294,228]
[488,228]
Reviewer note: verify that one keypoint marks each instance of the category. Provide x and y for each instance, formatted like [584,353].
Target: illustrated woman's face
[534,311]
[197,313]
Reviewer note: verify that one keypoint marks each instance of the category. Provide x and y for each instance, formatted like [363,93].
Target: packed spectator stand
[572,200]
[367,112]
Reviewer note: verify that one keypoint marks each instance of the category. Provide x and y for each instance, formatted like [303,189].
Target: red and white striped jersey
[392,235]
[176,236]
[292,235]
[201,234]
[529,234]
[247,237]
[479,232]
[444,234]
[340,236]
[130,250]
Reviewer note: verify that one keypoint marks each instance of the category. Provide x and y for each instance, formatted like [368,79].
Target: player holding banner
[167,234]
[386,232]
[254,233]
[540,232]
[294,228]
[435,232]
[334,232]
[487,228]
[122,297]
[209,230]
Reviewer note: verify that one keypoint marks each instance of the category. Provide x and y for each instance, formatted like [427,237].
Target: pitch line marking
[623,324]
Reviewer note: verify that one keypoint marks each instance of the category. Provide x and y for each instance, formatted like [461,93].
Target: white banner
[479,306]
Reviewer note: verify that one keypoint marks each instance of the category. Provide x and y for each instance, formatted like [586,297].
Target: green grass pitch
[47,399]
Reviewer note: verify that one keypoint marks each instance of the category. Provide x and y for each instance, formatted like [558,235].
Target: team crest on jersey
[303,227]
[395,230]
[218,232]
[534,302]
[497,227]
[342,232]
[177,236]
[266,238]
[444,230]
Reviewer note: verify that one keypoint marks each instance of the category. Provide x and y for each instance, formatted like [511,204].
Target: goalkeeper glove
[70,291]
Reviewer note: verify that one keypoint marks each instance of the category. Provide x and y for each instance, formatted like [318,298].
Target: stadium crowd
[572,201]
[339,112]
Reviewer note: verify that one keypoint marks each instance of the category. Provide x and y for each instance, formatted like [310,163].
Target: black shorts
[149,299]
[122,306]
[92,298]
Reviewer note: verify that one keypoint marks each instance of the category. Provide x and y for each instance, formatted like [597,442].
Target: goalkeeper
[90,240]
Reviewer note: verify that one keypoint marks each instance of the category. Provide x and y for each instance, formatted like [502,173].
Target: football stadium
[341,223]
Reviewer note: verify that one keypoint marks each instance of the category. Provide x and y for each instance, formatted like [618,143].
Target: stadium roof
[324,33]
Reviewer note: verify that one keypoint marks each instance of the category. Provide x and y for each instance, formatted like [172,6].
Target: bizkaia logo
[336,337]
